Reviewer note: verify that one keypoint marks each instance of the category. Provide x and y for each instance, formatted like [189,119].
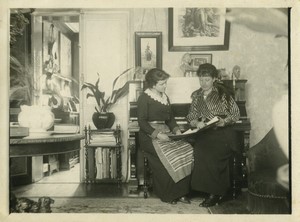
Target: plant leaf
[117,94]
[115,81]
[97,110]
[89,95]
[88,85]
[97,82]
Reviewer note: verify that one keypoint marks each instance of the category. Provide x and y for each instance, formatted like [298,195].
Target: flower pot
[37,118]
[103,120]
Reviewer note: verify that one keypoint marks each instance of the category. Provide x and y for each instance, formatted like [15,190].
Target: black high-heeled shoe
[212,200]
[184,199]
[173,202]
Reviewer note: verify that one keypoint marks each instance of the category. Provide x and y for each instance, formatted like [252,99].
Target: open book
[189,132]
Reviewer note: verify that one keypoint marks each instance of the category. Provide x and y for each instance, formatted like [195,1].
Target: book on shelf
[103,139]
[66,128]
[106,163]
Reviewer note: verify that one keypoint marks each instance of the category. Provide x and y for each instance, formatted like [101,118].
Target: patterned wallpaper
[263,60]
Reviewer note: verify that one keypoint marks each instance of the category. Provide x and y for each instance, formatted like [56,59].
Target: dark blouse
[150,110]
[212,106]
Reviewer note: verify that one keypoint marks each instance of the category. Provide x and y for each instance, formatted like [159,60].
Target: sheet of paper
[213,120]
[189,131]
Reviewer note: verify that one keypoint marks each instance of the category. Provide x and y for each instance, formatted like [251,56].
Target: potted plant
[21,81]
[34,119]
[102,118]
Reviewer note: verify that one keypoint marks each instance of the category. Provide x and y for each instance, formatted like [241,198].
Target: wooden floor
[67,184]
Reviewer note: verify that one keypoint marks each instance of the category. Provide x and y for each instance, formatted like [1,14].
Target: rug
[124,205]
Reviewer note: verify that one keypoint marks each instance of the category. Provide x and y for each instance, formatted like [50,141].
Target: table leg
[119,166]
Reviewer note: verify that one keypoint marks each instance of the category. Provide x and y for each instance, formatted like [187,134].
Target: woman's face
[206,82]
[161,86]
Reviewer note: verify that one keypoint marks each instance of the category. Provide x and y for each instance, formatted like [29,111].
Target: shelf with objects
[180,106]
[58,84]
[103,149]
[52,64]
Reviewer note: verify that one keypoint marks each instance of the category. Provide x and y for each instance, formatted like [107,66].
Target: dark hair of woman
[208,69]
[155,75]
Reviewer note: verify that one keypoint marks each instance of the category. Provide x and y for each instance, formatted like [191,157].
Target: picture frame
[198,59]
[65,55]
[188,32]
[148,50]
[51,46]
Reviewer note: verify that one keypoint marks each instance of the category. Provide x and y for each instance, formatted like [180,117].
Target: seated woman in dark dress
[213,147]
[170,161]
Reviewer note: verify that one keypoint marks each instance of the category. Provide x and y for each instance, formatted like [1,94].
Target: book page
[190,131]
[210,122]
[213,120]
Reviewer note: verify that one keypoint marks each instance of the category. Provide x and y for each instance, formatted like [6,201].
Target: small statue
[236,72]
[186,63]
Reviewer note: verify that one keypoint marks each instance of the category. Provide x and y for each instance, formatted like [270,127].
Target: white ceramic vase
[37,118]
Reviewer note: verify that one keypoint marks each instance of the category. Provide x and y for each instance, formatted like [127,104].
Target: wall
[104,35]
[262,59]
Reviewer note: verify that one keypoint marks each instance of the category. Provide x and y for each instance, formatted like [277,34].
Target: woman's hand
[200,125]
[178,132]
[221,122]
[163,137]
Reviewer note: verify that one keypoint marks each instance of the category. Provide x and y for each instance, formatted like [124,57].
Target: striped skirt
[176,156]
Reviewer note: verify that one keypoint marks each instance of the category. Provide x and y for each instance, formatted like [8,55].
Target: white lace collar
[163,100]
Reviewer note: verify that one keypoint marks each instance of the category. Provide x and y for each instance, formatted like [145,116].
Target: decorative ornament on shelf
[37,118]
[186,65]
[236,72]
[102,118]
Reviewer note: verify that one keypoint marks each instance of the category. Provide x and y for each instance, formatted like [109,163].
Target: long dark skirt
[163,185]
[212,151]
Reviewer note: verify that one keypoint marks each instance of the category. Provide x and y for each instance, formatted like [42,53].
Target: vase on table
[103,120]
[37,118]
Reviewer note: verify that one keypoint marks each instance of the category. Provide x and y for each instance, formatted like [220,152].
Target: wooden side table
[109,168]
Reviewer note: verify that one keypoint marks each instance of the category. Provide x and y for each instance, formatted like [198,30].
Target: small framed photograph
[198,59]
[148,50]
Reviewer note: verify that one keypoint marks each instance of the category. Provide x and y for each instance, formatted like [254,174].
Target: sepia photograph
[169,112]
[148,47]
[198,29]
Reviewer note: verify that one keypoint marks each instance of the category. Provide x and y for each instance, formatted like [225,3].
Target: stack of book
[66,128]
[106,163]
[105,138]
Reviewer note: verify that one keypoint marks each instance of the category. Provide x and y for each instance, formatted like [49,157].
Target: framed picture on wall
[148,50]
[66,56]
[198,59]
[51,54]
[198,29]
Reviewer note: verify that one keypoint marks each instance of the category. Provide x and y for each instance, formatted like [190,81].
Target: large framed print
[148,50]
[198,29]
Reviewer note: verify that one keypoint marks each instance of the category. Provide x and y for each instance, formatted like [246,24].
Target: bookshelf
[103,155]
